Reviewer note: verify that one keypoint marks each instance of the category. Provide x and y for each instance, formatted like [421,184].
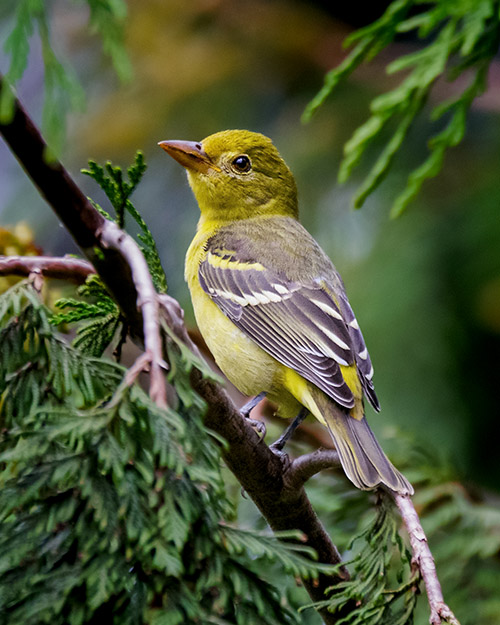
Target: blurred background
[425,287]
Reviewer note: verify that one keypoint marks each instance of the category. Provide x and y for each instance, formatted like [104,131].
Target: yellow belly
[243,362]
[250,368]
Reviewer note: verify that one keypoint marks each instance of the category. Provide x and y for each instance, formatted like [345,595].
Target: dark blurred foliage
[355,14]
[425,287]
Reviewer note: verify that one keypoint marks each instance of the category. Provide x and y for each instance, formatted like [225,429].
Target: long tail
[362,458]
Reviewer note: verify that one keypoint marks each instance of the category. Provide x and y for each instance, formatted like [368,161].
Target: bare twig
[307,465]
[112,237]
[422,557]
[304,467]
[66,268]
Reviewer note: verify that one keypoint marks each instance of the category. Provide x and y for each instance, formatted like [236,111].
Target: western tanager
[269,302]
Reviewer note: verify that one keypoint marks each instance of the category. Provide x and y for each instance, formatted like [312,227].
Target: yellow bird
[269,302]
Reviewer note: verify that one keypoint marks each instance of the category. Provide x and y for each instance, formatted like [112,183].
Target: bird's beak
[190,155]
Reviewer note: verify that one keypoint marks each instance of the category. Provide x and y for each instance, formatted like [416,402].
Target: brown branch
[66,268]
[307,465]
[72,207]
[422,557]
[112,237]
[114,254]
[258,470]
[304,467]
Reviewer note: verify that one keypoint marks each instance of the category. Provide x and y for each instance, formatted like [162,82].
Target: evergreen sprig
[118,190]
[107,18]
[463,36]
[101,318]
[113,509]
[371,588]
[38,368]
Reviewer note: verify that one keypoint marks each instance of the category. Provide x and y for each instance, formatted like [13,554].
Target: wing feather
[301,325]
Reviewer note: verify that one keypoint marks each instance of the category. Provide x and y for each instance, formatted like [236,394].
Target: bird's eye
[241,163]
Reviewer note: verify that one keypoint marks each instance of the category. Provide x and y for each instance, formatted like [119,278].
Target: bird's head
[236,174]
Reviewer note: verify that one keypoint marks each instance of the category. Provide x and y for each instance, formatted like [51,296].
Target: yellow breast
[241,360]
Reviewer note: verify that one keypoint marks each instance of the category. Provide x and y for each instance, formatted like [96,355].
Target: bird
[269,302]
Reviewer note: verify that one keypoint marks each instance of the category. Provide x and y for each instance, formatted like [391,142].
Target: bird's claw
[277,449]
[245,411]
[258,426]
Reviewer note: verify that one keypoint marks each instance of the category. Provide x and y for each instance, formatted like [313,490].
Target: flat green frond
[137,169]
[149,248]
[63,92]
[380,595]
[460,35]
[118,190]
[100,319]
[107,18]
[296,559]
[99,485]
[381,167]
[335,76]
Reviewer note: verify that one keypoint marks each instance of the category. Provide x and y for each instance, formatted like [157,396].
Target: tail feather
[362,458]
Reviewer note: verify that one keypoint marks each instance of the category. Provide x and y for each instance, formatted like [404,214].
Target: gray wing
[301,325]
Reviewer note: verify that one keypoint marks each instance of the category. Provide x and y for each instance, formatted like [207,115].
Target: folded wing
[307,327]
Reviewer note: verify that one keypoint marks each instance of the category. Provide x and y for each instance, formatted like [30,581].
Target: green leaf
[461,35]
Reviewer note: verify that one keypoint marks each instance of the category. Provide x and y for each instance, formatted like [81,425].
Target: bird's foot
[277,449]
[247,408]
[258,426]
[279,444]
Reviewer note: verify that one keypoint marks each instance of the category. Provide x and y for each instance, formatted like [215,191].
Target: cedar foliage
[459,37]
[111,509]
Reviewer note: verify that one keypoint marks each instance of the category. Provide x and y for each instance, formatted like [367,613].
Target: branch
[78,270]
[114,254]
[72,207]
[422,557]
[66,268]
[304,467]
[113,238]
[258,470]
[307,465]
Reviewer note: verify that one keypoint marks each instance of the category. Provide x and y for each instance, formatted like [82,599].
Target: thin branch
[422,557]
[257,469]
[304,467]
[78,270]
[114,254]
[112,237]
[66,268]
[307,465]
